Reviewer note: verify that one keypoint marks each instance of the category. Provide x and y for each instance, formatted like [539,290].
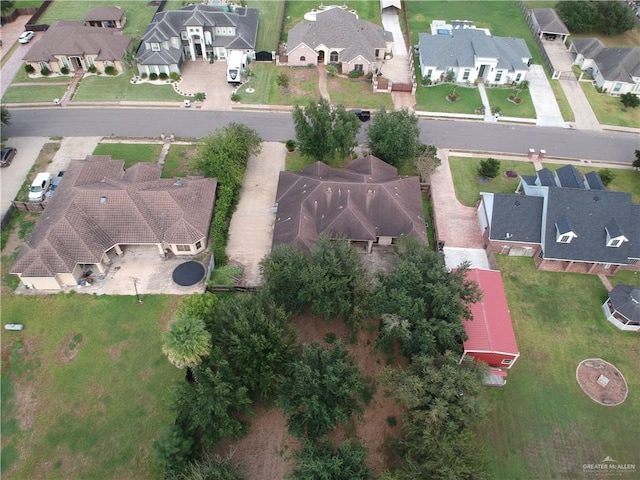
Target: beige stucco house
[106,17]
[99,209]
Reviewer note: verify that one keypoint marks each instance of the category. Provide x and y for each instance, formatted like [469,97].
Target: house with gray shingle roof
[366,203]
[75,46]
[196,32]
[472,54]
[567,224]
[99,209]
[338,37]
[548,24]
[616,70]
[106,17]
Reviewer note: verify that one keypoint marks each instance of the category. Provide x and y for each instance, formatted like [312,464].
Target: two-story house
[196,32]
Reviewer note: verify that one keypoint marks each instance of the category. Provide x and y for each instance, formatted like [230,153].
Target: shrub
[282,80]
[175,76]
[235,97]
[450,76]
[110,70]
[92,69]
[153,76]
[489,168]
[64,71]
[495,110]
[291,145]
[355,73]
[29,68]
[332,70]
[44,71]
[200,97]
[606,175]
[630,100]
[143,75]
[426,80]
[163,76]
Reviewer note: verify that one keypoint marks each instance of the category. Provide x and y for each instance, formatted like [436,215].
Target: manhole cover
[188,273]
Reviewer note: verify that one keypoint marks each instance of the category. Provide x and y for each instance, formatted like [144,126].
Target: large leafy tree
[578,16]
[212,467]
[636,162]
[609,16]
[5,115]
[323,132]
[322,460]
[614,17]
[394,136]
[186,342]
[282,276]
[6,7]
[320,390]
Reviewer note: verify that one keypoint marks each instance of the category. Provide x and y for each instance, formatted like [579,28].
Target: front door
[321,56]
[77,63]
[481,73]
[198,50]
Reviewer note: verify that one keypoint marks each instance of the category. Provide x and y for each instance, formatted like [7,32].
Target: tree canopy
[322,460]
[5,115]
[394,136]
[323,132]
[186,342]
[6,7]
[609,16]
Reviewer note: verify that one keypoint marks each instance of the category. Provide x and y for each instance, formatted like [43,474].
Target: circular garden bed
[602,382]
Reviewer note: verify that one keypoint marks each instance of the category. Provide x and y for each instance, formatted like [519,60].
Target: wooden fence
[28,206]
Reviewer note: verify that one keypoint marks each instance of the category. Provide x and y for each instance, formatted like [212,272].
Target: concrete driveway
[9,34]
[13,176]
[199,76]
[544,101]
[72,148]
[251,229]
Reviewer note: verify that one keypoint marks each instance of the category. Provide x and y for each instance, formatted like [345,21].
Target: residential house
[490,337]
[616,70]
[77,47]
[366,203]
[548,24]
[99,209]
[622,308]
[473,54]
[565,222]
[340,38]
[106,17]
[196,32]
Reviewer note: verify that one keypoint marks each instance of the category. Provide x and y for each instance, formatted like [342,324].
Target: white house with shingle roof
[99,208]
[338,37]
[473,55]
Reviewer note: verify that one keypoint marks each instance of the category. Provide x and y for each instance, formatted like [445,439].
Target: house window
[507,361]
[465,75]
[184,36]
[614,243]
[155,47]
[518,77]
[565,239]
[633,261]
[198,245]
[303,58]
[108,63]
[358,67]
[377,52]
[183,248]
[333,57]
[90,60]
[617,87]
[498,75]
[43,65]
[65,61]
[429,73]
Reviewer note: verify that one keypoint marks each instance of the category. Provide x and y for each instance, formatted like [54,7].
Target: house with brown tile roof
[77,47]
[106,17]
[366,203]
[99,209]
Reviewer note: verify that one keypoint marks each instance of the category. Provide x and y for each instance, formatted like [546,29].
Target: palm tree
[186,342]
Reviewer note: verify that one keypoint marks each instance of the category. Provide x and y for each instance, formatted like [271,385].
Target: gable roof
[569,177]
[593,181]
[74,38]
[490,329]
[515,218]
[362,202]
[615,64]
[337,28]
[626,301]
[462,46]
[99,205]
[104,14]
[549,21]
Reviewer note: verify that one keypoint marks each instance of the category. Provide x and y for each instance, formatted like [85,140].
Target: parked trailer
[236,64]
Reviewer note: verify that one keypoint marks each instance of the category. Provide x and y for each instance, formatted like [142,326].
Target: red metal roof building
[491,338]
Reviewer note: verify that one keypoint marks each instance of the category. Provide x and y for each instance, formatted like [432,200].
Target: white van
[236,65]
[39,187]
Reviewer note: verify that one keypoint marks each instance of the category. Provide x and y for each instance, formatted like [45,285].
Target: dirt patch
[298,77]
[602,382]
[70,348]
[114,351]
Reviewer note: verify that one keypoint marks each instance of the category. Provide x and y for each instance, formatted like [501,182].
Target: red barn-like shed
[491,339]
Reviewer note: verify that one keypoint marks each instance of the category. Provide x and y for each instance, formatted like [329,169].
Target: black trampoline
[188,273]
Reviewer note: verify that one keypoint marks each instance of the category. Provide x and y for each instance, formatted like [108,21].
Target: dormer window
[615,237]
[155,47]
[565,239]
[564,232]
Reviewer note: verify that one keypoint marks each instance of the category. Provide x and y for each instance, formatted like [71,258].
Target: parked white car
[26,36]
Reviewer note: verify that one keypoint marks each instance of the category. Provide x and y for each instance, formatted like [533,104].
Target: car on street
[26,37]
[6,156]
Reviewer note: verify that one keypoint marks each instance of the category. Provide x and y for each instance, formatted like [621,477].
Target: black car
[6,155]
[363,115]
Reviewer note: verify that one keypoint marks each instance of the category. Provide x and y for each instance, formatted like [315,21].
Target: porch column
[117,249]
[192,49]
[592,267]
[100,268]
[569,265]
[105,259]
[160,249]
[369,246]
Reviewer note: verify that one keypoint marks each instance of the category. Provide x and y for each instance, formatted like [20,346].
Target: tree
[606,175]
[630,100]
[636,162]
[394,136]
[173,449]
[282,277]
[6,7]
[197,305]
[322,460]
[614,17]
[489,168]
[320,390]
[186,342]
[323,132]
[610,17]
[427,162]
[212,467]
[5,115]
[578,16]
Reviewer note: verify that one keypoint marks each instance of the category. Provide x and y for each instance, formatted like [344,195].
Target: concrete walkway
[544,101]
[488,116]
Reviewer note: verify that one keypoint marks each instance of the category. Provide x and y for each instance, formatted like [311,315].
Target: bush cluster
[163,76]
[175,76]
[110,70]
[64,70]
[153,76]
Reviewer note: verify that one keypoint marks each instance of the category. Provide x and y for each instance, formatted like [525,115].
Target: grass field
[356,93]
[499,97]
[303,85]
[118,88]
[84,386]
[609,110]
[22,77]
[563,103]
[542,425]
[176,163]
[434,99]
[295,162]
[35,93]
[270,17]
[130,152]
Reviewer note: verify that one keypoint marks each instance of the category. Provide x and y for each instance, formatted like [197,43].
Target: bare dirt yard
[602,382]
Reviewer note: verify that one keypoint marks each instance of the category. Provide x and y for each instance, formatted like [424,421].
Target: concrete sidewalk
[544,101]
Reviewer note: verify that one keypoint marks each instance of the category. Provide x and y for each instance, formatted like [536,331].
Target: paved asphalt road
[273,126]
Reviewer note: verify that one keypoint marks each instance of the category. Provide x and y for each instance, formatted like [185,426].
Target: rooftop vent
[103,199]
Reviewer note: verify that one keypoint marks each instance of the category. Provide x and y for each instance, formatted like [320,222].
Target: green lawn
[295,162]
[434,99]
[303,85]
[609,110]
[130,152]
[542,425]
[118,88]
[95,415]
[176,163]
[23,77]
[498,97]
[563,103]
[356,93]
[35,93]
[270,18]
[138,12]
